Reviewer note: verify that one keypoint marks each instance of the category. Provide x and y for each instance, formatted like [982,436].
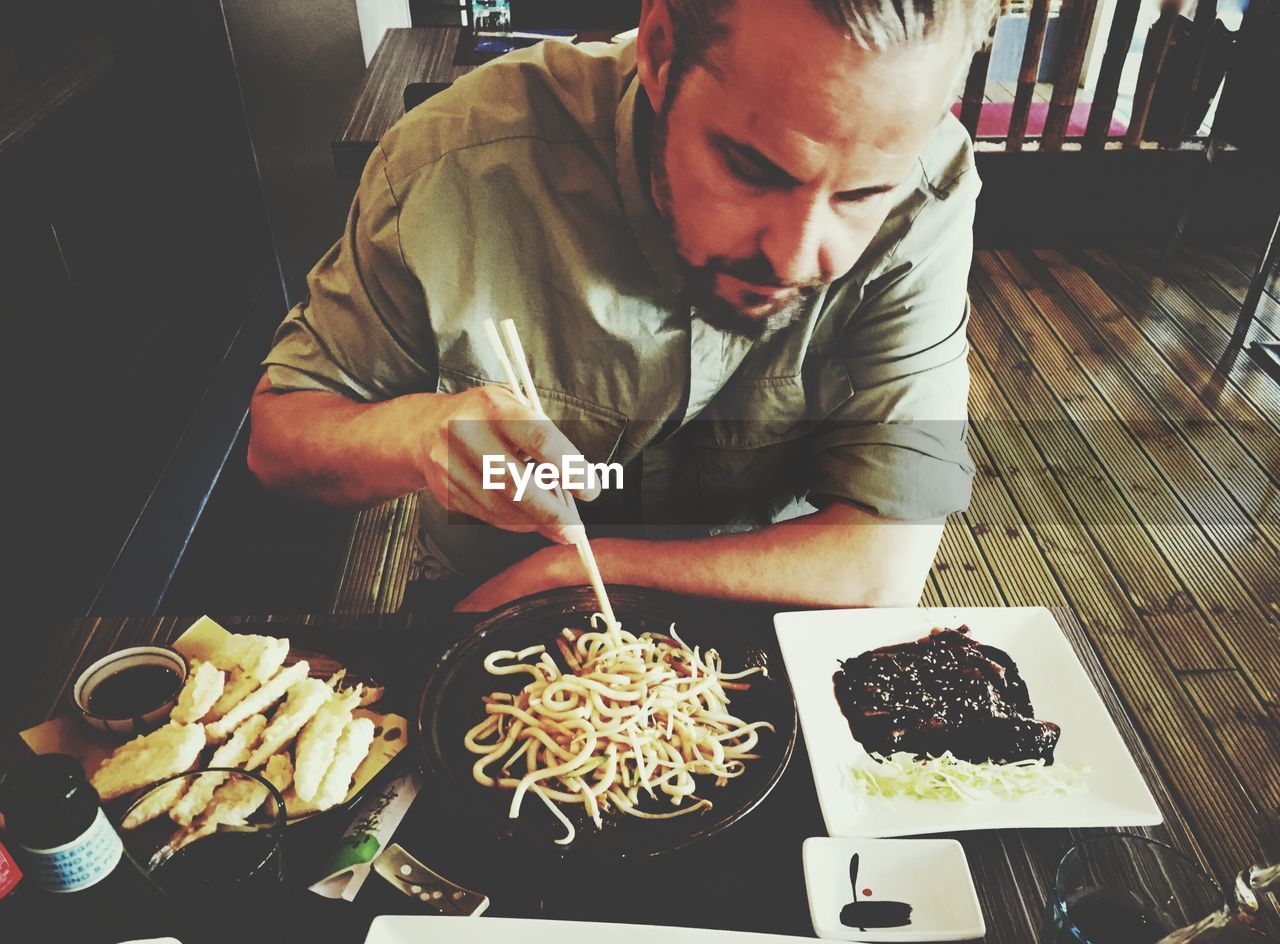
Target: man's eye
[747,170]
[854,199]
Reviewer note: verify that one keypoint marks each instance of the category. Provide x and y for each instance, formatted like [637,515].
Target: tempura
[304,698]
[200,691]
[148,758]
[318,741]
[231,754]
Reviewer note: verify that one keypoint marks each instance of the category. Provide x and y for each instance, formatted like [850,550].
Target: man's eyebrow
[754,156]
[746,151]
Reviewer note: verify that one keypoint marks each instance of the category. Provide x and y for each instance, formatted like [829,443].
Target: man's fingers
[493,439]
[528,434]
[499,517]
[536,508]
[542,441]
[502,515]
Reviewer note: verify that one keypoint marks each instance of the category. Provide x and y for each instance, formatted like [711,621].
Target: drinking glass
[226,882]
[1127,889]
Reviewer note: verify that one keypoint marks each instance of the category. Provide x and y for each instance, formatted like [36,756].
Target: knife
[371,829]
[414,879]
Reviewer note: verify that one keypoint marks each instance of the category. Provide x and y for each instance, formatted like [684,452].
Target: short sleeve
[363,330]
[897,447]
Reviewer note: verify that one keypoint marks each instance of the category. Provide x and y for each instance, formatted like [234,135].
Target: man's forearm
[840,556]
[325,447]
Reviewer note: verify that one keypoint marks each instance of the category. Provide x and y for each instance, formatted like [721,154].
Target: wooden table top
[418,54]
[1012,868]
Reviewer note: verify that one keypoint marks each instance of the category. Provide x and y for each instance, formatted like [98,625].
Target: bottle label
[82,862]
[10,874]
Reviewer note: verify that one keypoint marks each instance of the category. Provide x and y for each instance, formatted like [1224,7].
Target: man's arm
[329,448]
[839,556]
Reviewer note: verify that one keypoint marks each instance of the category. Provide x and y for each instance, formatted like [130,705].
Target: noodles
[630,717]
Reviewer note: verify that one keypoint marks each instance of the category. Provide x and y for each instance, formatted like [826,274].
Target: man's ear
[655,50]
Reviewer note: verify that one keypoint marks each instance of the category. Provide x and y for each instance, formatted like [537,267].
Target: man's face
[774,163]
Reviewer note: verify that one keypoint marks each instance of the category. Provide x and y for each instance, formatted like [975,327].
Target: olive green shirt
[519,193]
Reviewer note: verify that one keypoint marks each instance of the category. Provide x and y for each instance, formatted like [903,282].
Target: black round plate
[451,705]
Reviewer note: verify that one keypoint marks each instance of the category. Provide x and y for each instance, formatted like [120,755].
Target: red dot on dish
[866,893]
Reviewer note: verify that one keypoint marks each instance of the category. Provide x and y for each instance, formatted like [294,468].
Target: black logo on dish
[866,915]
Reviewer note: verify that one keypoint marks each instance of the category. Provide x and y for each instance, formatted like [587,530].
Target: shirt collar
[634,136]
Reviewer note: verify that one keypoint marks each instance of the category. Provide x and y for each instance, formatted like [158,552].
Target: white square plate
[1113,794]
[930,875]
[415,929]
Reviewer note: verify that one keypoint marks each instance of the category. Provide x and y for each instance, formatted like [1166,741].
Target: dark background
[156,226]
[154,230]
[135,247]
[575,14]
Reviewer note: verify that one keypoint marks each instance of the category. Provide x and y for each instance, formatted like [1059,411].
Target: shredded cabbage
[947,777]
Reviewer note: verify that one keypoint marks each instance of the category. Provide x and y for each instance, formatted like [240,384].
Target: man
[736,252]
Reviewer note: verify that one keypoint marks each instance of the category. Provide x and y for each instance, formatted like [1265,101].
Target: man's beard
[699,292]
[699,281]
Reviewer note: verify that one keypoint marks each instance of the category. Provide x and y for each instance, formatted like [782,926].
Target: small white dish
[930,875]
[1113,791]
[414,929]
[106,670]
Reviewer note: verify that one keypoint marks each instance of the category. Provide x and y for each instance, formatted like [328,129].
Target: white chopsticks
[515,368]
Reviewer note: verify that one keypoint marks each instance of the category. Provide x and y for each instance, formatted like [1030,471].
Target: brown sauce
[945,692]
[229,866]
[133,691]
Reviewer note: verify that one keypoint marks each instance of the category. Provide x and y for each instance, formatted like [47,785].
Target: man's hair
[874,25]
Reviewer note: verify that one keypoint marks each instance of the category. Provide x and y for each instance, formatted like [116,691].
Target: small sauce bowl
[131,691]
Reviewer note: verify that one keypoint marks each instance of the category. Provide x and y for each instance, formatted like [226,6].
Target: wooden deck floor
[1128,472]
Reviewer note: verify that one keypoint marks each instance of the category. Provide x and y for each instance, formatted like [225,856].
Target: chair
[1246,117]
[415,93]
[1246,120]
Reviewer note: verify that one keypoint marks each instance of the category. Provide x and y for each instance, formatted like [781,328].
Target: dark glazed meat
[944,692]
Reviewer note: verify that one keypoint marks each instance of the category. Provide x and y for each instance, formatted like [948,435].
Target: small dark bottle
[72,857]
[53,816]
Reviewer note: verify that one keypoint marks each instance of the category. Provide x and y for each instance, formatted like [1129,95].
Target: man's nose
[796,239]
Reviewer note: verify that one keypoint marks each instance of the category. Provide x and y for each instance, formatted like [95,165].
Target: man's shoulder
[946,162]
[555,93]
[936,208]
[939,212]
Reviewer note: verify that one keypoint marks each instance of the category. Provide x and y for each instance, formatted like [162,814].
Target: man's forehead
[780,62]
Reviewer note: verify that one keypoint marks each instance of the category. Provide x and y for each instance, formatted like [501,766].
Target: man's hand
[461,429]
[327,447]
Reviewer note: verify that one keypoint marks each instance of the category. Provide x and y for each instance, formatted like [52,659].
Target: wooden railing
[1075,25]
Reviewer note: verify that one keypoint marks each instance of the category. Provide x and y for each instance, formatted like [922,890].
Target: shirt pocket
[593,429]
[753,412]
[753,461]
